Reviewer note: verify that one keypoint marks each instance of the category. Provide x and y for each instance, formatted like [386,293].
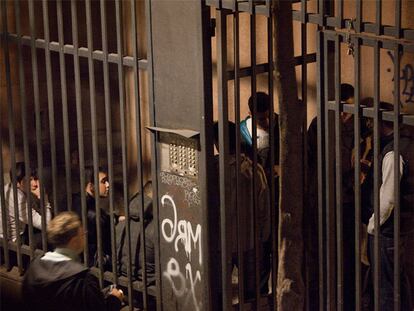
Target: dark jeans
[387,273]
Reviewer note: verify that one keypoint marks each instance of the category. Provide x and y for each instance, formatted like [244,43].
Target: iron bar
[358,22]
[122,103]
[39,146]
[376,258]
[357,172]
[274,201]
[50,100]
[69,49]
[95,149]
[65,115]
[79,123]
[378,17]
[138,127]
[224,157]
[397,18]
[397,178]
[338,178]
[236,51]
[4,211]
[154,161]
[330,272]
[23,104]
[253,86]
[320,153]
[108,128]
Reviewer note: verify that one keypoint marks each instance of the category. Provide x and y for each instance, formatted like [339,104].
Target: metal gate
[136,87]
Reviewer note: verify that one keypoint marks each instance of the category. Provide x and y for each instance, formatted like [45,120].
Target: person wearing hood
[58,280]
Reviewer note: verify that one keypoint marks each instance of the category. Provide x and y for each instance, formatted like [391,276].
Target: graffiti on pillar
[183,262]
[407,80]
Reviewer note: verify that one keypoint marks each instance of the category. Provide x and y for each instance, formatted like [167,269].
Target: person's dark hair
[347,91]
[63,228]
[232,136]
[20,171]
[33,173]
[89,174]
[262,102]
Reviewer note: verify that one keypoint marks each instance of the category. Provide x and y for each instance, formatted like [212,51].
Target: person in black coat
[91,191]
[58,280]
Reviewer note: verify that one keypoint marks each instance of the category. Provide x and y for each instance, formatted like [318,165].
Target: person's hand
[36,192]
[118,293]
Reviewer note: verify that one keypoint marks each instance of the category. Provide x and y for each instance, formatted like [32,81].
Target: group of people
[250,209]
[62,268]
[386,201]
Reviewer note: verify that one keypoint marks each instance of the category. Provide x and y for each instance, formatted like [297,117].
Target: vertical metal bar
[79,119]
[397,176]
[320,95]
[358,24]
[338,176]
[154,161]
[321,12]
[138,124]
[23,104]
[13,182]
[254,141]
[236,50]
[65,114]
[3,206]
[274,212]
[330,272]
[95,151]
[378,16]
[109,145]
[4,212]
[357,185]
[224,156]
[304,72]
[38,120]
[303,9]
[50,101]
[377,258]
[119,37]
[340,13]
[397,19]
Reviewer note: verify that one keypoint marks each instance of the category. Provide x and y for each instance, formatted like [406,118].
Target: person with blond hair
[58,280]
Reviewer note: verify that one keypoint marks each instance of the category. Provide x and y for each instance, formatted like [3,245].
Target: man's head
[20,175]
[34,180]
[262,109]
[65,231]
[103,183]
[347,93]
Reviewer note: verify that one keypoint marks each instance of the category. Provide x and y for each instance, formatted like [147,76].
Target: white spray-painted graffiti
[181,231]
[178,281]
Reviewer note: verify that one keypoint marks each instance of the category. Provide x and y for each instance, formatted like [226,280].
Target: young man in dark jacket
[58,280]
[91,193]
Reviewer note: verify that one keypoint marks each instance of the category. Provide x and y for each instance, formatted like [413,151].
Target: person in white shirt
[386,215]
[16,224]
